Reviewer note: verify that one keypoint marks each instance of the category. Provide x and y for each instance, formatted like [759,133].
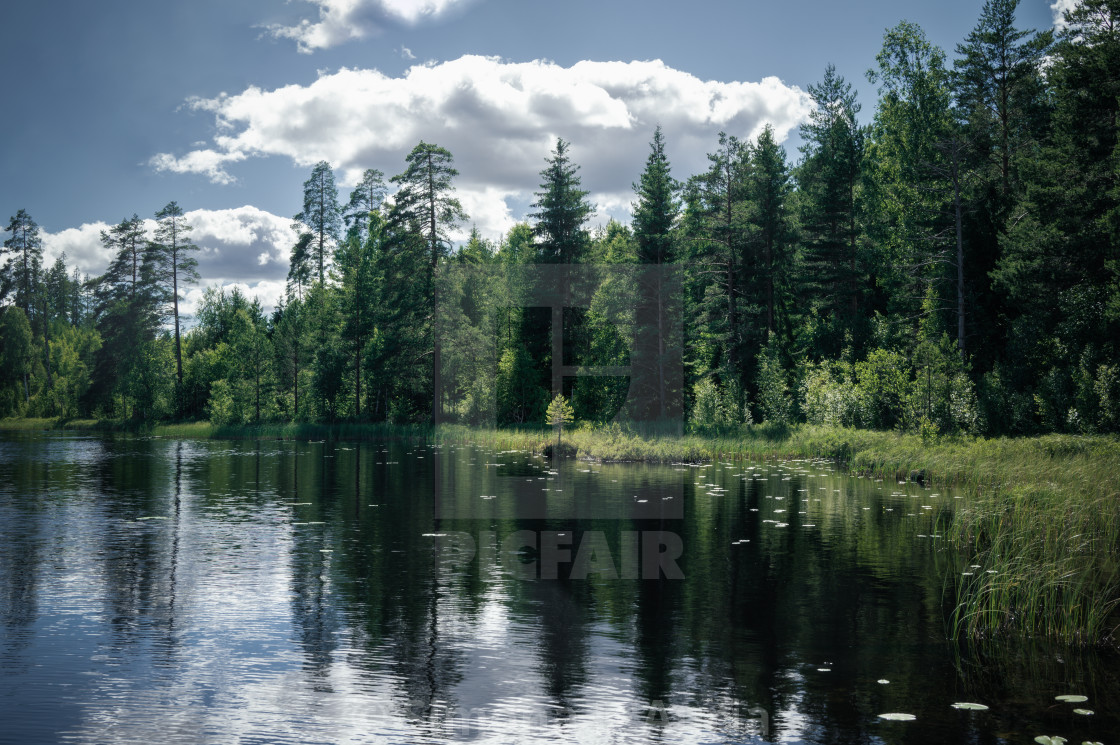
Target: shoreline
[1040,515]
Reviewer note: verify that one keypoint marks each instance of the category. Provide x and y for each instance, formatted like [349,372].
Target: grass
[1041,515]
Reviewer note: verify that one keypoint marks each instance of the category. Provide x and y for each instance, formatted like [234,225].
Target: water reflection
[298,592]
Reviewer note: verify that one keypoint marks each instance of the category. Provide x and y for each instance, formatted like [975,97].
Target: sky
[118,107]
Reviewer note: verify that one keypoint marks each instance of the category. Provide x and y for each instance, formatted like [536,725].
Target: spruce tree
[833,275]
[656,341]
[560,211]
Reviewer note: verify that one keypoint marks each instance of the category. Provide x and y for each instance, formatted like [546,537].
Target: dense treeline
[951,265]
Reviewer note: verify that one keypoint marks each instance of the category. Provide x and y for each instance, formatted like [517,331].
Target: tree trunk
[295,381]
[47,342]
[960,252]
[175,301]
[660,344]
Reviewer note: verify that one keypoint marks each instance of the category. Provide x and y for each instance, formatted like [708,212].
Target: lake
[189,591]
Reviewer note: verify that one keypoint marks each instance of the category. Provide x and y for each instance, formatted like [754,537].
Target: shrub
[828,396]
[716,409]
[774,403]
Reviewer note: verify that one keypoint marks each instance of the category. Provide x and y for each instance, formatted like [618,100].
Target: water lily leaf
[969,707]
[1049,740]
[1083,712]
[1071,698]
[883,681]
[895,716]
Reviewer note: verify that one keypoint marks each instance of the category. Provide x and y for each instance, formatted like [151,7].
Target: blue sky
[118,107]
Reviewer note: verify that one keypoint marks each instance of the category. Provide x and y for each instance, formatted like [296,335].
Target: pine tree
[427,197]
[658,206]
[123,279]
[768,190]
[1001,95]
[716,221]
[998,85]
[128,313]
[365,200]
[356,265]
[560,212]
[26,247]
[321,214]
[174,264]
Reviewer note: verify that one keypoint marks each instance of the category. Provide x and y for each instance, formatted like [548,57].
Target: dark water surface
[163,591]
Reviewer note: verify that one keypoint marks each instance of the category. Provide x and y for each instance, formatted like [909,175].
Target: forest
[949,265]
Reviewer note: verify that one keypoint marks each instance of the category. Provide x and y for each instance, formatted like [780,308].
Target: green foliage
[73,350]
[15,361]
[882,384]
[774,402]
[559,413]
[655,213]
[715,410]
[25,246]
[426,197]
[828,395]
[521,395]
[220,406]
[321,215]
[560,211]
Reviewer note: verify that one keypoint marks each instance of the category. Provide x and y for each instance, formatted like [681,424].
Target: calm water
[206,592]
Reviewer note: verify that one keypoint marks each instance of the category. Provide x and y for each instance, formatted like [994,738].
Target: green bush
[828,396]
[774,403]
[220,408]
[882,383]
[713,409]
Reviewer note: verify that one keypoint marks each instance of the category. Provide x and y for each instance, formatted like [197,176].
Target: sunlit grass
[26,424]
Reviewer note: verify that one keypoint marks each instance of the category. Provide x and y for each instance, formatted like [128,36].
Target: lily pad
[1050,740]
[883,681]
[895,716]
[1071,698]
[969,707]
[1084,712]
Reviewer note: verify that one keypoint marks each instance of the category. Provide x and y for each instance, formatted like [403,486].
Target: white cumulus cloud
[499,119]
[1059,8]
[244,247]
[341,21]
